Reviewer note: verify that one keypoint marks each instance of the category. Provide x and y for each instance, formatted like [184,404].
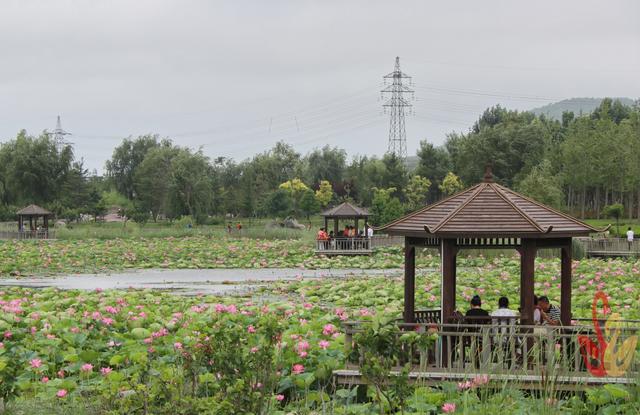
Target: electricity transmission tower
[396,103]
[58,135]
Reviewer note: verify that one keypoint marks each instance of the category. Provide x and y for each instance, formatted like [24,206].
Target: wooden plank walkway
[610,247]
[528,381]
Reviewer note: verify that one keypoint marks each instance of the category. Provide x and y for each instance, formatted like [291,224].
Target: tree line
[582,164]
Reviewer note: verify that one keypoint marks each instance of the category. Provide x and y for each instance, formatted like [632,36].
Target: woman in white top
[630,237]
[537,315]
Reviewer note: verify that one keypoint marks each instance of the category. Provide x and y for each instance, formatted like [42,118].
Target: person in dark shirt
[476,309]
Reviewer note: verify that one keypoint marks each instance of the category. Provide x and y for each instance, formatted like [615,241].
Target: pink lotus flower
[87,367]
[449,408]
[328,329]
[44,379]
[323,344]
[61,393]
[297,369]
[280,398]
[177,345]
[464,385]
[303,354]
[36,363]
[251,329]
[482,379]
[303,346]
[254,349]
[105,371]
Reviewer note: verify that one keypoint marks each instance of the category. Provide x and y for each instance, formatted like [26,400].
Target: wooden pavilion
[342,245]
[31,214]
[488,216]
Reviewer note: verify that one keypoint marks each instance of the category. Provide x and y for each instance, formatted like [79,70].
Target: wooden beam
[565,284]
[448,289]
[527,271]
[409,283]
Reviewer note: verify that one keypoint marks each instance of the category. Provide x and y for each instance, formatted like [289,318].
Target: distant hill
[576,105]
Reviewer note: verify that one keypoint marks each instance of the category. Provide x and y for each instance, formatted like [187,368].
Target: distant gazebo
[487,216]
[29,216]
[340,244]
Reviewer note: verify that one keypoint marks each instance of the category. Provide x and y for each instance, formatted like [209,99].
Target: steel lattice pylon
[396,103]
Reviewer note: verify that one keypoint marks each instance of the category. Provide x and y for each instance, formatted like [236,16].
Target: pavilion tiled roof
[347,210]
[33,210]
[488,210]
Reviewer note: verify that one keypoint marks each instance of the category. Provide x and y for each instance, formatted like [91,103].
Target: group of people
[327,240]
[544,313]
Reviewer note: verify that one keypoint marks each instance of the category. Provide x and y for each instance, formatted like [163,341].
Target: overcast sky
[237,76]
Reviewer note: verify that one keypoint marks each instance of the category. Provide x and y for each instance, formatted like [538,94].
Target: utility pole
[396,103]
[58,135]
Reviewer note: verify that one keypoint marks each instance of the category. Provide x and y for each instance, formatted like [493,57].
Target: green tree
[385,207]
[450,184]
[328,163]
[543,185]
[309,204]
[433,164]
[192,184]
[615,211]
[394,174]
[417,192]
[278,204]
[153,180]
[296,189]
[324,194]
[126,158]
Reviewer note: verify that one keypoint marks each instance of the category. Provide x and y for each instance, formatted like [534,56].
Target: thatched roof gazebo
[488,216]
[32,214]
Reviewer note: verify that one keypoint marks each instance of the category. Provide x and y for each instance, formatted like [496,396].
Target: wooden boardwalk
[531,381]
[610,247]
[525,357]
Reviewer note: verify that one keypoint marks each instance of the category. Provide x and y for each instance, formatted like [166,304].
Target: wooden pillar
[335,227]
[326,223]
[565,284]
[30,223]
[409,282]
[448,289]
[527,271]
[356,225]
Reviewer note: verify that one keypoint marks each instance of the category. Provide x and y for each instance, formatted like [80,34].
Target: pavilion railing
[344,244]
[36,234]
[501,347]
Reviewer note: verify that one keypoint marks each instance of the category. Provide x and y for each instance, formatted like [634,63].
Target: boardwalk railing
[505,348]
[41,234]
[610,246]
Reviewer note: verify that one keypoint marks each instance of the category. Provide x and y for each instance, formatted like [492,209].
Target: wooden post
[565,284]
[326,223]
[356,225]
[527,271]
[448,289]
[335,227]
[409,281]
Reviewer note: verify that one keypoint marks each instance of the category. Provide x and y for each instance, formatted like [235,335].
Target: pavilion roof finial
[488,173]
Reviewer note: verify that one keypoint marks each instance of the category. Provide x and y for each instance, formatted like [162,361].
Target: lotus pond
[94,255]
[151,352]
